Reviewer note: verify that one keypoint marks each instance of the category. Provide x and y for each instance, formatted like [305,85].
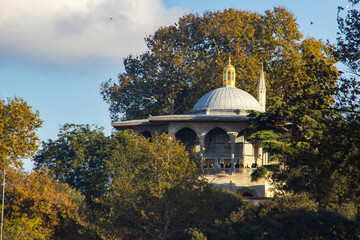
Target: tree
[152,186]
[18,125]
[36,207]
[78,158]
[348,54]
[290,217]
[348,37]
[185,60]
[314,132]
[316,146]
[148,189]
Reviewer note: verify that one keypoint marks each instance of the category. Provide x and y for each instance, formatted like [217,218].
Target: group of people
[219,165]
[228,165]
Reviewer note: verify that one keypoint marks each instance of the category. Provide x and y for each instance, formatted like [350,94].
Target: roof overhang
[160,120]
[197,118]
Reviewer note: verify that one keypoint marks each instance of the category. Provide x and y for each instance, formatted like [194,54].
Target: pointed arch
[188,137]
[217,141]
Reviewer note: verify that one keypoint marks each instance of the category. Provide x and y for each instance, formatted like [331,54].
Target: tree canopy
[78,157]
[185,60]
[314,133]
[348,52]
[151,185]
[348,36]
[18,125]
[289,217]
[36,207]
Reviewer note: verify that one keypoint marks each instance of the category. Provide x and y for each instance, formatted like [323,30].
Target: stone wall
[240,182]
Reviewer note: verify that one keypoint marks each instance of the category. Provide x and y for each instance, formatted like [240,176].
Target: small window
[233,76]
[247,194]
[228,75]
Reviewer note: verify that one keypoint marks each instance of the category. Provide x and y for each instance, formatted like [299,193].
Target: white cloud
[67,31]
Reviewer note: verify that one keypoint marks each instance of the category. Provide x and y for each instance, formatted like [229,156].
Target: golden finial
[229,75]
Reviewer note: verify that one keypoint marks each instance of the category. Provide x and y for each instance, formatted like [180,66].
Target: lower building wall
[240,182]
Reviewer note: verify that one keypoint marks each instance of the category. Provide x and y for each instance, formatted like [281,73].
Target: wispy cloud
[67,31]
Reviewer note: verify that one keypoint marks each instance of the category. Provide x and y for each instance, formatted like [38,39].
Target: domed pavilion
[216,127]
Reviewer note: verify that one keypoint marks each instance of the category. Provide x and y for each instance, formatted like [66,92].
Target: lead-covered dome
[227,98]
[230,100]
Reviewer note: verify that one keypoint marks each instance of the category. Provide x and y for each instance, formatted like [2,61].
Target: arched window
[188,137]
[217,141]
[146,134]
[247,192]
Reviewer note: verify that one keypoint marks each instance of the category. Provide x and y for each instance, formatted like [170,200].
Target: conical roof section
[262,84]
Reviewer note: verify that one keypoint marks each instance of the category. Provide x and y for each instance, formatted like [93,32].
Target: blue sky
[55,54]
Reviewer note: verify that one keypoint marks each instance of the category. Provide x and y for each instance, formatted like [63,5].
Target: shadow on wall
[244,191]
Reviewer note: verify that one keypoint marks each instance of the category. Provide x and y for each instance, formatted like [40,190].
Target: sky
[55,54]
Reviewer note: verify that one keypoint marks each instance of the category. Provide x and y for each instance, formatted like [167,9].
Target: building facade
[216,127]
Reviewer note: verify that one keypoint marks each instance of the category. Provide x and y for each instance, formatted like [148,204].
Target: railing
[210,171]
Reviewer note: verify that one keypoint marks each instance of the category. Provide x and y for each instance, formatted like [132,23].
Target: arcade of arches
[223,150]
[220,147]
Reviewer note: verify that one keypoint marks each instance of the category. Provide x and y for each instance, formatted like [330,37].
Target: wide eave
[159,120]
